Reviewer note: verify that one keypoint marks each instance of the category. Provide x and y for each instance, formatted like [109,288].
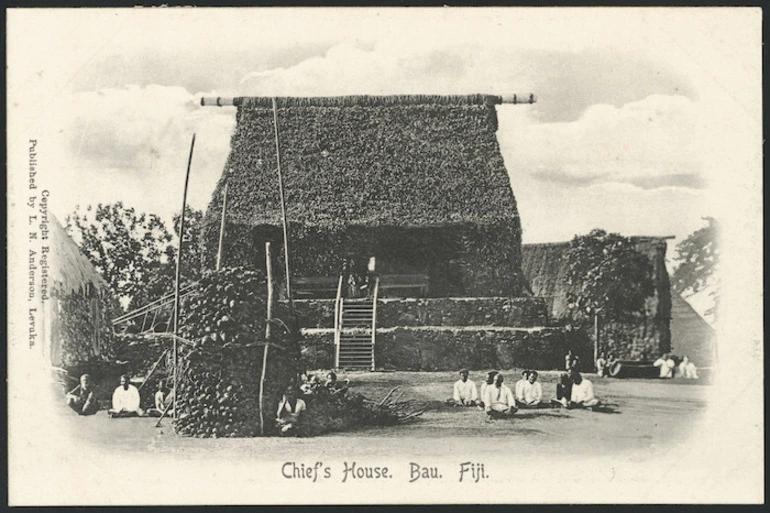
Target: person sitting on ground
[311,385]
[488,382]
[289,412]
[163,399]
[687,369]
[532,393]
[570,360]
[518,388]
[464,391]
[666,365]
[601,366]
[333,386]
[125,400]
[582,392]
[499,401]
[84,401]
[563,391]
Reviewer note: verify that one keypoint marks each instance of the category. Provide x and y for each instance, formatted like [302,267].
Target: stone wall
[490,311]
[450,348]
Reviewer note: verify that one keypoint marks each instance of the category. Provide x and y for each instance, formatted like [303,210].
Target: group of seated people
[291,406]
[669,367]
[498,401]
[126,401]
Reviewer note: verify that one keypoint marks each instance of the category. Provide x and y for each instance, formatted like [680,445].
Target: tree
[134,252]
[698,259]
[607,274]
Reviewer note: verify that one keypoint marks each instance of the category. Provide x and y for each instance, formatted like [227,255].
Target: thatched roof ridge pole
[371,100]
[179,267]
[283,205]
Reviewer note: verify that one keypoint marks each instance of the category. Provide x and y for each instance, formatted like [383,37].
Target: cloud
[659,141]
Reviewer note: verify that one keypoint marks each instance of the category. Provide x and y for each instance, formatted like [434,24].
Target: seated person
[687,369]
[84,401]
[289,412]
[666,365]
[488,382]
[582,392]
[163,399]
[125,400]
[518,389]
[563,391]
[311,385]
[532,393]
[499,401]
[601,366]
[335,387]
[464,393]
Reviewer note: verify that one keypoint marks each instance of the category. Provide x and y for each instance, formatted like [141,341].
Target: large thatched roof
[70,269]
[691,335]
[407,161]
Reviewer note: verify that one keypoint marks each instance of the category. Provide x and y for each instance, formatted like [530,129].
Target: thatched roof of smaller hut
[70,269]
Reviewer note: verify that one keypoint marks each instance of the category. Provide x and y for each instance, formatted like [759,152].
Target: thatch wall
[417,181]
[545,267]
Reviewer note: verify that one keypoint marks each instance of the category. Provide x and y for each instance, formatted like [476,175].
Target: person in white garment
[499,401]
[687,369]
[125,400]
[464,392]
[289,414]
[601,366]
[582,392]
[666,365]
[489,381]
[164,399]
[518,388]
[532,393]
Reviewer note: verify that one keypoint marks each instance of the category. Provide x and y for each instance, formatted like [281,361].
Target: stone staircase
[355,331]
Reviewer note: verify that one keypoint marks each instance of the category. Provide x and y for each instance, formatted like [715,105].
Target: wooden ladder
[355,331]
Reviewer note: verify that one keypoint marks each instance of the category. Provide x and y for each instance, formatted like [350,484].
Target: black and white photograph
[282,256]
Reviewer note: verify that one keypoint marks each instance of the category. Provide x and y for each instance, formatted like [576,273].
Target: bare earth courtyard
[641,415]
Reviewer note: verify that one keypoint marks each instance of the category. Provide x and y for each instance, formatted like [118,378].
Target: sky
[632,130]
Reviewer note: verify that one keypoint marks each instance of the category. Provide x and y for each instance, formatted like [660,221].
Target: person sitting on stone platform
[84,401]
[582,392]
[532,393]
[499,401]
[667,365]
[687,369]
[289,414]
[125,400]
[518,389]
[464,392]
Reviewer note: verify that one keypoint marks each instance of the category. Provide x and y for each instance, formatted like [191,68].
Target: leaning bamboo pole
[269,267]
[179,267]
[222,229]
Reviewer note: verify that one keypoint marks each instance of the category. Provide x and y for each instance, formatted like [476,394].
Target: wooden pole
[596,337]
[179,267]
[222,229]
[269,266]
[283,205]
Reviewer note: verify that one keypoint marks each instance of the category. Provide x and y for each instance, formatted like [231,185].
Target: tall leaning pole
[179,268]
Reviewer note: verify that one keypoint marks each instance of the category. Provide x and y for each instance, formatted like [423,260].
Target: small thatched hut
[545,266]
[416,181]
[76,304]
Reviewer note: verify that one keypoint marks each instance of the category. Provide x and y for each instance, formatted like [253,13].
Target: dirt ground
[641,414]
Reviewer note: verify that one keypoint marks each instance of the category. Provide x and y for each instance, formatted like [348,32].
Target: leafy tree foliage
[134,251]
[698,258]
[607,274]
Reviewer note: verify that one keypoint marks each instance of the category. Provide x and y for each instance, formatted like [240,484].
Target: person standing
[570,360]
[125,400]
[601,366]
[84,401]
